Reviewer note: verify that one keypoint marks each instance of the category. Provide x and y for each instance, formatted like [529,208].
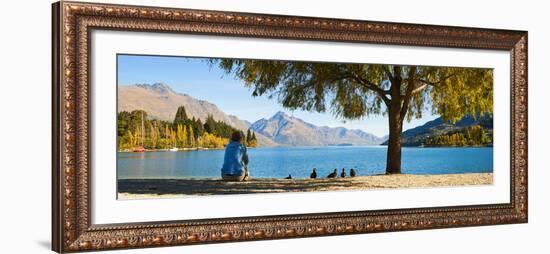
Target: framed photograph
[177,126]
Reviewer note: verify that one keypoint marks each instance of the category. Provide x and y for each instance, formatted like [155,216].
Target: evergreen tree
[123,121]
[253,141]
[248,136]
[181,116]
[199,128]
[210,124]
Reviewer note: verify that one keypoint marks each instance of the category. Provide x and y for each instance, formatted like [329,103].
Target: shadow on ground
[263,185]
[212,186]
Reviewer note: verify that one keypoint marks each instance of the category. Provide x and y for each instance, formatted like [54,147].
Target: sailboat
[141,149]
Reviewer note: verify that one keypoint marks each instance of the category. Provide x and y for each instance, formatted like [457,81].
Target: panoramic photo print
[214,126]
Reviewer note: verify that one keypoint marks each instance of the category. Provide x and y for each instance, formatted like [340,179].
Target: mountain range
[161,102]
[288,130]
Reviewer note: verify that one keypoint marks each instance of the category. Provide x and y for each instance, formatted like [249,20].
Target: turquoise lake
[279,162]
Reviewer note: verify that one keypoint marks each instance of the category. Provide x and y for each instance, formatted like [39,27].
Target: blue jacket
[235,159]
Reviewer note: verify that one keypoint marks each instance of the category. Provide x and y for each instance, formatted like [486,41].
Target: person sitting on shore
[288,177]
[352,172]
[313,174]
[343,174]
[235,161]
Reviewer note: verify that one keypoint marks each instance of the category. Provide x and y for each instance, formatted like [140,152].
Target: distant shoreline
[168,150]
[206,149]
[476,146]
[169,188]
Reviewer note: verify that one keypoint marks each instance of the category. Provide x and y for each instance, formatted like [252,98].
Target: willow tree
[355,91]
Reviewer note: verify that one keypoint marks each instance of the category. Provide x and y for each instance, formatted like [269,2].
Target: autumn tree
[356,91]
[154,136]
[253,141]
[191,138]
[181,134]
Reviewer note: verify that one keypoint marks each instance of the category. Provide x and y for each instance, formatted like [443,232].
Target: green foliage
[468,136]
[181,116]
[466,91]
[248,136]
[250,139]
[354,91]
[197,126]
[218,128]
[130,121]
[183,132]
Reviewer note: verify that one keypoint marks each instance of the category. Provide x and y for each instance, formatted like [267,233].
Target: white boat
[175,149]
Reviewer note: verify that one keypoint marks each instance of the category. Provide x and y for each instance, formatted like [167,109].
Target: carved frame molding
[71,226]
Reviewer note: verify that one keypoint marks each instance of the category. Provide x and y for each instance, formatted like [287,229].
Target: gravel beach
[169,188]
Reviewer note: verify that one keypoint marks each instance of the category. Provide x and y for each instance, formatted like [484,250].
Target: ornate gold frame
[71,226]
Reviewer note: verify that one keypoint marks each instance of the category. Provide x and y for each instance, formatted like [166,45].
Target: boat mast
[142,128]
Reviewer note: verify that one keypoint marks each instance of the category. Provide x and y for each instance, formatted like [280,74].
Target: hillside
[416,136]
[161,102]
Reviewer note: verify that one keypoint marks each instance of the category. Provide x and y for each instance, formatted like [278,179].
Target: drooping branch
[369,85]
[388,71]
[419,89]
[382,93]
[427,83]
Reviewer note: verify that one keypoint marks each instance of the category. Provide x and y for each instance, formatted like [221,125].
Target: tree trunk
[393,161]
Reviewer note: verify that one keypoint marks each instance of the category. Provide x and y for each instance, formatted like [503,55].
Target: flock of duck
[334,174]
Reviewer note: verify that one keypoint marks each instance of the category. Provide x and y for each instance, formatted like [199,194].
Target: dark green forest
[135,129]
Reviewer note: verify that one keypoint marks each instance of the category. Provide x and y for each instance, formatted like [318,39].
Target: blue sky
[197,78]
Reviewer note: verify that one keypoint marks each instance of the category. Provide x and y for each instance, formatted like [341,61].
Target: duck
[352,172]
[343,174]
[333,174]
[313,174]
[288,177]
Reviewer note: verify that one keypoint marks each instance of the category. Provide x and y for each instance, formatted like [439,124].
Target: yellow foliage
[208,140]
